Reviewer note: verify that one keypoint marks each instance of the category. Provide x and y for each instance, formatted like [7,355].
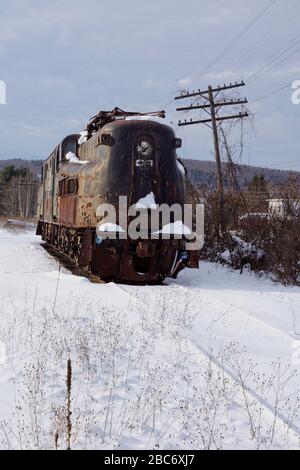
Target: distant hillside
[204,173]
[33,165]
[200,172]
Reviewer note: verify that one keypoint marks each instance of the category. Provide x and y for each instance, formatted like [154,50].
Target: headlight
[144,148]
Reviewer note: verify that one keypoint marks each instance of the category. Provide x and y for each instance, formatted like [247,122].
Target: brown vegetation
[254,236]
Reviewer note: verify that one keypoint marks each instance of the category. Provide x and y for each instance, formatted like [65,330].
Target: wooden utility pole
[220,187]
[212,107]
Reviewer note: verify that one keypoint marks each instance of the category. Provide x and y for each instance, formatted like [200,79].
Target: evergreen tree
[258,184]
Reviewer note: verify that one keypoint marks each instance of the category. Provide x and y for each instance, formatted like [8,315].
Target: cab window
[68,186]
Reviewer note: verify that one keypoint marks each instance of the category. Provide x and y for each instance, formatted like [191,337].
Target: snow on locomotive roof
[149,118]
[83,137]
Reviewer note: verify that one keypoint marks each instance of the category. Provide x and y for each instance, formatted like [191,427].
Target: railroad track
[237,310]
[70,264]
[200,348]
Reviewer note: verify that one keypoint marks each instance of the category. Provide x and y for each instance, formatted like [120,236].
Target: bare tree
[19,196]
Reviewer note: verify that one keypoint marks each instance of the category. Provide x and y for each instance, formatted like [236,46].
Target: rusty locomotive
[121,154]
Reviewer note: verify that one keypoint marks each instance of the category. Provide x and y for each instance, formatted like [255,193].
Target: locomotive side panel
[67,210]
[89,182]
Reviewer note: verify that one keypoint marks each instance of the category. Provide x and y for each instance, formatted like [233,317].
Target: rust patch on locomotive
[109,164]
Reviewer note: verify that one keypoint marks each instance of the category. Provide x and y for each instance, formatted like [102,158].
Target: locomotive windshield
[69,146]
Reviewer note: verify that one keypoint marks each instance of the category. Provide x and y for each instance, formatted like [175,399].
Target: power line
[238,37]
[272,93]
[254,20]
[262,41]
[275,57]
[272,64]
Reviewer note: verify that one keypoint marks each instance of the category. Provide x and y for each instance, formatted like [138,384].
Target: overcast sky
[63,60]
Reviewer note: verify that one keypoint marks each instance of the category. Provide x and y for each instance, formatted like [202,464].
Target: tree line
[18,192]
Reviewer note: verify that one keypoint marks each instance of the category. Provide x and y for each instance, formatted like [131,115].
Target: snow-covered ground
[210,360]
